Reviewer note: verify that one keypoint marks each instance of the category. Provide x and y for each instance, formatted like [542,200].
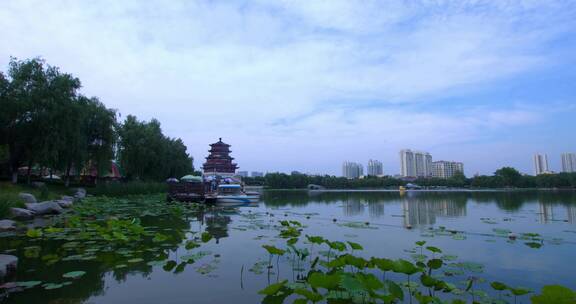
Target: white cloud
[208,69]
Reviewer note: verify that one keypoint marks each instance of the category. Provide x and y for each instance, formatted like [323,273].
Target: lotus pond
[295,246]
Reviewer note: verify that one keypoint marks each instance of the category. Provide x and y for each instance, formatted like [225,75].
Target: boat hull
[229,200]
[254,197]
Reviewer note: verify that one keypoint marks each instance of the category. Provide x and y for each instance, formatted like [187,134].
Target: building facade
[375,168]
[568,162]
[352,170]
[446,169]
[242,173]
[219,161]
[415,163]
[540,164]
[257,174]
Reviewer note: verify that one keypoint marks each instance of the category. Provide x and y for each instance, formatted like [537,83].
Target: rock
[42,208]
[7,225]
[65,203]
[67,198]
[28,198]
[8,264]
[24,214]
[80,193]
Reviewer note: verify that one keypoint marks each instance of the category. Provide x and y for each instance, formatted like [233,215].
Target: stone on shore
[42,208]
[22,214]
[7,225]
[8,264]
[67,198]
[65,203]
[28,198]
[80,193]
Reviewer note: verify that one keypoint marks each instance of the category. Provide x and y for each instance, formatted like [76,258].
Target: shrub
[130,188]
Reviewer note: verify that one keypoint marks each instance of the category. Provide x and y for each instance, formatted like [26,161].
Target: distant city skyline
[304,85]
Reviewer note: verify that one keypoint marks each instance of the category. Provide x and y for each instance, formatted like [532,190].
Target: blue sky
[305,85]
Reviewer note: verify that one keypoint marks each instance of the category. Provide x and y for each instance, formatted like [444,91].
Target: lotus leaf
[73,274]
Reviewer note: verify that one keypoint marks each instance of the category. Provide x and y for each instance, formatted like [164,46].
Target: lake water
[475,226]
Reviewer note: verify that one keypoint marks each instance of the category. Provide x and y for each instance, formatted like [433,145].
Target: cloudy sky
[305,85]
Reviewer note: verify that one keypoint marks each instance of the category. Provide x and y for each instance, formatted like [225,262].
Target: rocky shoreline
[9,263]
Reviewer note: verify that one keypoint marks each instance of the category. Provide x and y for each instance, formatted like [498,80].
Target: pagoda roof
[220,143]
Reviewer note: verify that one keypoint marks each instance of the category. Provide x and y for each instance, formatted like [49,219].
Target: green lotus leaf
[74,274]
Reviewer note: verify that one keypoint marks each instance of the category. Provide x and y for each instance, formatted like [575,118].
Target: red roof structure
[219,161]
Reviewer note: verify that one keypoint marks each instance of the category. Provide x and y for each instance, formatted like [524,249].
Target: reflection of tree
[422,208]
[217,226]
[93,282]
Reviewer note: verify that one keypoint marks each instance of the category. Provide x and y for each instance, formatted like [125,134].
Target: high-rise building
[242,173]
[568,162]
[352,170]
[256,174]
[415,163]
[446,169]
[540,164]
[375,168]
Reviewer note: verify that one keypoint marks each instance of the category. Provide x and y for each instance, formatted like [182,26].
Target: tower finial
[220,139]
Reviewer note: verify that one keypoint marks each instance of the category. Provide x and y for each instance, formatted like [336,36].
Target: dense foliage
[46,123]
[504,177]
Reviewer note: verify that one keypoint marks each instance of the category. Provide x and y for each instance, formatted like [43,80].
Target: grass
[129,188]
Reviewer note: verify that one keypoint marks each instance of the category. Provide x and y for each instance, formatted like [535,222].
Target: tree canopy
[45,122]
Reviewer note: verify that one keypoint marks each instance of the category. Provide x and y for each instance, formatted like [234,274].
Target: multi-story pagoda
[219,161]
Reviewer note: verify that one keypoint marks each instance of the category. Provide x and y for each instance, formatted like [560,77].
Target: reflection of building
[219,161]
[571,213]
[352,169]
[446,169]
[353,207]
[568,162]
[540,164]
[549,213]
[375,168]
[376,209]
[415,163]
[422,211]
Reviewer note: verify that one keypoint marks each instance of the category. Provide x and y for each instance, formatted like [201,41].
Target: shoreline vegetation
[504,178]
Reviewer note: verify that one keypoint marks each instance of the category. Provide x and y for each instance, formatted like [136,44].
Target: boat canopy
[191,178]
[229,186]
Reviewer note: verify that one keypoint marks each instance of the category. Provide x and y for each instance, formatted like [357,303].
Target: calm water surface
[395,223]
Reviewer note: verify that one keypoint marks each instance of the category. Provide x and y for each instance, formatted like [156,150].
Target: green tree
[510,176]
[22,90]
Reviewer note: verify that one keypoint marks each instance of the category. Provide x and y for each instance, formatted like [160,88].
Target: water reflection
[422,210]
[557,213]
[217,225]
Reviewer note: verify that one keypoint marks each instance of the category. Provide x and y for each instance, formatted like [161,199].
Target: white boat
[253,196]
[231,195]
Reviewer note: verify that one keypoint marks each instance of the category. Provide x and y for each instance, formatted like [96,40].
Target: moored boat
[253,196]
[231,195]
